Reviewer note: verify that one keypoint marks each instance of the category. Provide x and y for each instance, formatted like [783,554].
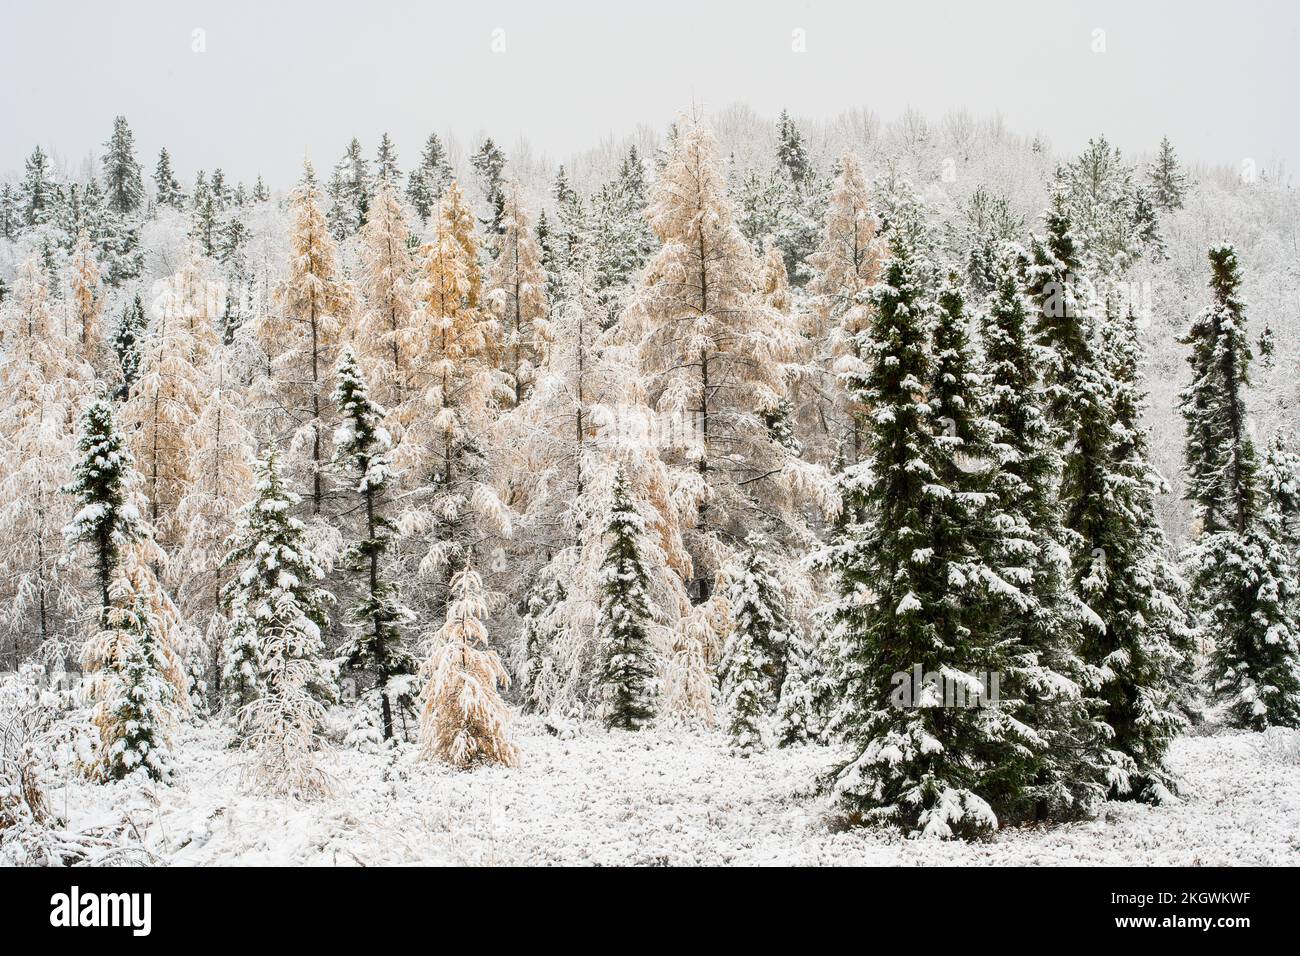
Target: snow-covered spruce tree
[302,335]
[1061,325]
[10,214]
[1135,634]
[378,619]
[745,692]
[136,703]
[1281,479]
[714,355]
[273,666]
[114,240]
[802,204]
[386,287]
[755,657]
[587,420]
[39,189]
[123,178]
[136,681]
[759,617]
[386,171]
[538,633]
[205,219]
[912,585]
[571,211]
[350,188]
[489,165]
[167,189]
[627,674]
[517,294]
[1243,572]
[463,720]
[429,179]
[1245,589]
[551,256]
[988,223]
[1220,457]
[1061,771]
[796,712]
[1168,181]
[44,385]
[621,238]
[170,388]
[107,520]
[1141,642]
[844,265]
[1077,391]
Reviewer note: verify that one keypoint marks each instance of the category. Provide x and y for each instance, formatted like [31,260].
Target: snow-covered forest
[757,489]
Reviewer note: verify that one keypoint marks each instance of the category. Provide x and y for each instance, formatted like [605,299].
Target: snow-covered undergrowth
[659,797]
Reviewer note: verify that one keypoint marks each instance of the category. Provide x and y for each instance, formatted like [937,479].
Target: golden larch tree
[846,264]
[463,720]
[385,335]
[302,336]
[44,384]
[445,420]
[714,353]
[517,294]
[170,390]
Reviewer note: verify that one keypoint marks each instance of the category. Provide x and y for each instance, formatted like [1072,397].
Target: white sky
[280,78]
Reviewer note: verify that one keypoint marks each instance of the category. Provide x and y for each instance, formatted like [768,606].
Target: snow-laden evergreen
[760,619]
[1243,565]
[917,594]
[274,668]
[627,675]
[131,652]
[797,718]
[377,618]
[1062,770]
[123,179]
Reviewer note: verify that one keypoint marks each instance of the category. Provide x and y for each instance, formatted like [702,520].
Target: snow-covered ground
[657,798]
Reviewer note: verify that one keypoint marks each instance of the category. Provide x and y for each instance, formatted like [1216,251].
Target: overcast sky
[279,78]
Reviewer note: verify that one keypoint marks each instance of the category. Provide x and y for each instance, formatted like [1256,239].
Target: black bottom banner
[305,906]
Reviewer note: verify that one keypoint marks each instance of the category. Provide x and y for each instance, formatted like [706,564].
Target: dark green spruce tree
[167,189]
[274,589]
[39,193]
[538,633]
[1168,181]
[1060,771]
[378,620]
[627,666]
[760,610]
[125,341]
[913,584]
[123,179]
[386,170]
[489,165]
[428,180]
[1140,642]
[134,697]
[105,521]
[1243,573]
